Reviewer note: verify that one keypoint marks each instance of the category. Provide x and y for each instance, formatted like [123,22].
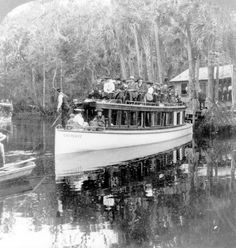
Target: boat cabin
[133,116]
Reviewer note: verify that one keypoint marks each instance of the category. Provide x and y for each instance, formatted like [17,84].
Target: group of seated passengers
[132,90]
[77,120]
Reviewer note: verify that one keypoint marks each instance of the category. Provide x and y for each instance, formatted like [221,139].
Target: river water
[183,196]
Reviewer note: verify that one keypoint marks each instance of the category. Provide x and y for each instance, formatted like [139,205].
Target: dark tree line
[69,44]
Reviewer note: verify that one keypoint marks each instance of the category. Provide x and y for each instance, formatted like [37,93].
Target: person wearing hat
[109,88]
[79,119]
[132,89]
[121,91]
[149,95]
[63,106]
[156,93]
[96,92]
[99,120]
[142,89]
[71,119]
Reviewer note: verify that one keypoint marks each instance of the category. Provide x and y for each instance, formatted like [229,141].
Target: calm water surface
[182,197]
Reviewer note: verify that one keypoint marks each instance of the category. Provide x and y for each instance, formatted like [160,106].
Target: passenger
[132,89]
[157,93]
[74,104]
[96,92]
[142,89]
[120,93]
[109,88]
[201,99]
[164,93]
[149,95]
[64,107]
[70,122]
[117,84]
[99,120]
[79,119]
[177,98]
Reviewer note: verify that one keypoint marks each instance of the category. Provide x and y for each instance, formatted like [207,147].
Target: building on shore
[226,91]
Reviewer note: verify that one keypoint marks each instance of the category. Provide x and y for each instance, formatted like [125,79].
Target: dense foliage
[71,43]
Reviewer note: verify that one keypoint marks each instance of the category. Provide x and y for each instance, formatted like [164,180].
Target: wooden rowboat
[17,170]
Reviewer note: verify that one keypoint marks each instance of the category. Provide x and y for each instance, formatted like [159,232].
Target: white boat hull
[73,163]
[73,141]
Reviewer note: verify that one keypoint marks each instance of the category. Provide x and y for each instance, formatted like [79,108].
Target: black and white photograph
[117,123]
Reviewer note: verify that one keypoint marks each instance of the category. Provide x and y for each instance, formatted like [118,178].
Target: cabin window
[133,118]
[148,119]
[153,119]
[118,118]
[184,87]
[114,118]
[178,118]
[105,113]
[157,119]
[124,118]
[183,117]
[163,119]
[140,119]
[169,118]
[178,154]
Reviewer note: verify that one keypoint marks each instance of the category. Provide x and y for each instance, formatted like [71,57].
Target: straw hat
[99,110]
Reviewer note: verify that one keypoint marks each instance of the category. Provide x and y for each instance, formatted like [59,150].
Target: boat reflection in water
[115,204]
[67,164]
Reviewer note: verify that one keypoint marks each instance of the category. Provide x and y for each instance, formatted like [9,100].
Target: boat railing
[153,103]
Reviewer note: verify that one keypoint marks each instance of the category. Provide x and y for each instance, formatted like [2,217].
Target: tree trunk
[197,66]
[44,77]
[92,75]
[147,52]
[192,81]
[217,84]
[158,53]
[34,85]
[134,30]
[61,81]
[191,65]
[121,54]
[141,65]
[54,77]
[5,73]
[210,91]
[122,66]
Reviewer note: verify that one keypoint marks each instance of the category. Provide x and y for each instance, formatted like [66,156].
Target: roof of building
[224,72]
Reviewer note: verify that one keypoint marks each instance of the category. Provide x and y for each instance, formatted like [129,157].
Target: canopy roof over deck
[225,71]
[133,107]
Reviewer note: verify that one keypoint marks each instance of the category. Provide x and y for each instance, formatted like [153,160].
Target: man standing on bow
[63,106]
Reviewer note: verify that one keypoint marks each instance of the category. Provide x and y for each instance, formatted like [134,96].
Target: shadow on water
[181,196]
